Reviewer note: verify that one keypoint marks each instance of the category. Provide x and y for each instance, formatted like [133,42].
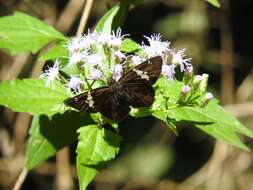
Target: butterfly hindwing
[141,94]
[140,90]
[108,103]
[80,102]
[115,107]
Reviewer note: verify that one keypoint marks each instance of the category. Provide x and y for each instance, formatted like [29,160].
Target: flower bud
[188,70]
[203,82]
[209,96]
[197,79]
[186,89]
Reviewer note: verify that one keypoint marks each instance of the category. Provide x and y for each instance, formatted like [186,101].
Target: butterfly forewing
[151,66]
[80,102]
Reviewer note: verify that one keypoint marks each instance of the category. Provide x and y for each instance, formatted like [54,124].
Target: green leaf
[85,173]
[129,46]
[170,122]
[190,113]
[212,119]
[162,115]
[48,135]
[223,132]
[217,113]
[119,18]
[172,89]
[96,145]
[57,51]
[225,126]
[31,96]
[214,2]
[105,23]
[140,112]
[21,33]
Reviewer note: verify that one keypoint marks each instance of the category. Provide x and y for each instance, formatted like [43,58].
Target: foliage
[54,128]
[214,2]
[21,32]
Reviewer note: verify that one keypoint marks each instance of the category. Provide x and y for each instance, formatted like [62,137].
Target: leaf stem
[85,15]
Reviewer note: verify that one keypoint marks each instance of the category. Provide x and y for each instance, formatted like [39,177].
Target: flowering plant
[84,63]
[94,60]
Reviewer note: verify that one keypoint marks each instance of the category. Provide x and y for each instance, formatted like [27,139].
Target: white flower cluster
[98,57]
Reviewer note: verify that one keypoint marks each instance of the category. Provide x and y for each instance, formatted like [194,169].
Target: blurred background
[151,157]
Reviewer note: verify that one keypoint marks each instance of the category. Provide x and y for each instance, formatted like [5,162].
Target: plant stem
[85,15]
[21,179]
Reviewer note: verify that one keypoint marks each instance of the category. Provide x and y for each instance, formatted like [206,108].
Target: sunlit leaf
[32,96]
[21,32]
[129,46]
[105,23]
[214,2]
[55,52]
[97,145]
[85,173]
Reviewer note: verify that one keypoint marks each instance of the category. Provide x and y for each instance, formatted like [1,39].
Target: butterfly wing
[141,94]
[152,67]
[109,104]
[80,102]
[140,90]
[115,107]
[114,101]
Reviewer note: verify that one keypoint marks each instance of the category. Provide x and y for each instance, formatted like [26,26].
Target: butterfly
[133,89]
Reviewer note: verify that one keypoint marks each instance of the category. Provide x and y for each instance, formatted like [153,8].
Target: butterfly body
[132,89]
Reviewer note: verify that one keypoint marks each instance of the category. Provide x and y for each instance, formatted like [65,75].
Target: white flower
[74,45]
[104,39]
[80,43]
[168,71]
[52,73]
[119,55]
[77,57]
[88,39]
[96,74]
[75,84]
[156,46]
[94,59]
[117,72]
[179,59]
[116,39]
[136,60]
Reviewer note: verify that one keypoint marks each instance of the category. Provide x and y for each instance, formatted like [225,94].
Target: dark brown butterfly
[132,89]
